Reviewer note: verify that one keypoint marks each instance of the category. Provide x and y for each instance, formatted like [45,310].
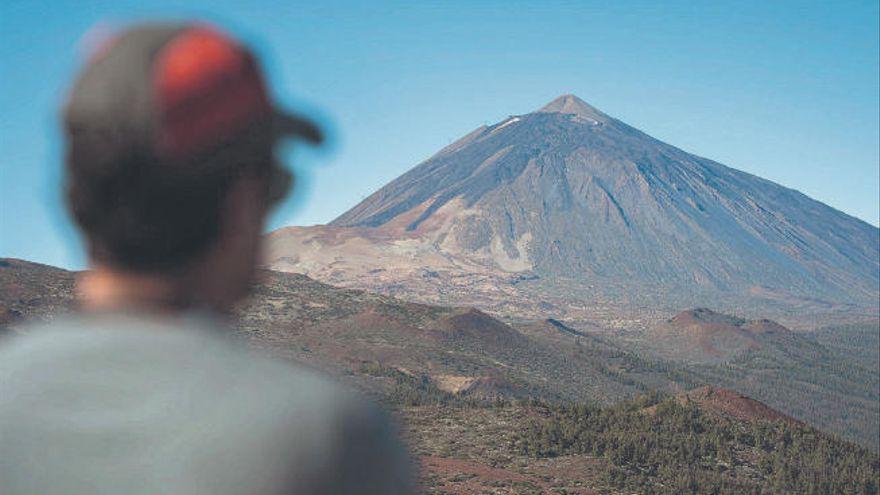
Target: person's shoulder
[349,438]
[33,343]
[282,419]
[284,381]
[343,441]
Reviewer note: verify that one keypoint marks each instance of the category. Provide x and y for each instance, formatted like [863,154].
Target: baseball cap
[177,92]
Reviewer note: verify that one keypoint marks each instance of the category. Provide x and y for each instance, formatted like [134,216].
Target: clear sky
[785,90]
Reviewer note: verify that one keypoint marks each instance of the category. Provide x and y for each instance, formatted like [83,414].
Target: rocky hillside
[31,291]
[377,342]
[413,353]
[566,211]
[705,336]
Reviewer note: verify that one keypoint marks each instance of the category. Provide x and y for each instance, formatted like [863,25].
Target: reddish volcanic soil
[736,405]
[703,335]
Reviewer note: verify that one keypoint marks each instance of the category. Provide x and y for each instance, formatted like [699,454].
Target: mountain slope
[569,205]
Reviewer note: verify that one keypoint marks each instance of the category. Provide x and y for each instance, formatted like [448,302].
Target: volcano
[569,212]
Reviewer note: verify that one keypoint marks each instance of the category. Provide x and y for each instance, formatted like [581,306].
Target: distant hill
[834,388]
[566,212]
[705,336]
[729,403]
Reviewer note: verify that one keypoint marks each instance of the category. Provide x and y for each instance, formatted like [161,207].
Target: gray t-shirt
[113,404]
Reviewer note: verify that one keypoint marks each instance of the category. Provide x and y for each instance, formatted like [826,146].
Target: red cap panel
[207,89]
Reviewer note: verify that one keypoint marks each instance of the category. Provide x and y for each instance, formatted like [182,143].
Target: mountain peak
[567,203]
[571,104]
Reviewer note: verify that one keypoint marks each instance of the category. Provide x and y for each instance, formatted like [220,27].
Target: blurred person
[170,172]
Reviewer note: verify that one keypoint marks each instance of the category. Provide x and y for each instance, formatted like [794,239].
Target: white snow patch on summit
[502,126]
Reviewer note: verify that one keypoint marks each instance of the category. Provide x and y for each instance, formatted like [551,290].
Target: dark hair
[143,214]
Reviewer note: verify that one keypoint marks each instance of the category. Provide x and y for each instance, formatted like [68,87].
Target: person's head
[170,166]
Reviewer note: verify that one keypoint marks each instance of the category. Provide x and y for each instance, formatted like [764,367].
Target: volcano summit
[570,212]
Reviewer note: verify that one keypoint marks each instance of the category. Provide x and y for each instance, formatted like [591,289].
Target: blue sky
[785,90]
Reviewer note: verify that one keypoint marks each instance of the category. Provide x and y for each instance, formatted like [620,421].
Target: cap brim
[287,125]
